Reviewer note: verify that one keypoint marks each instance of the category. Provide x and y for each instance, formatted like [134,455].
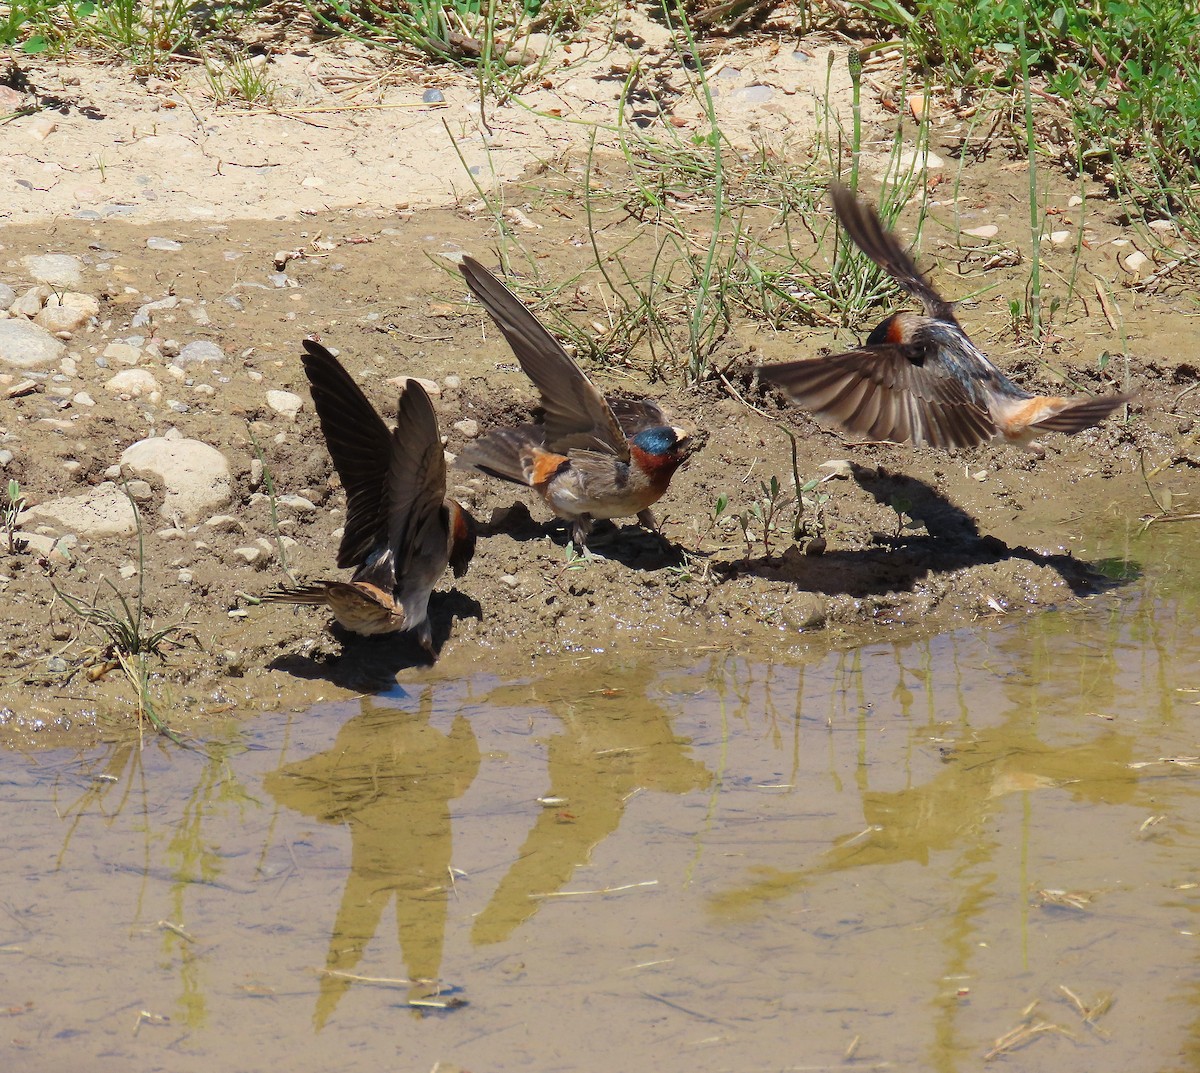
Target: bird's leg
[647,519]
[581,529]
[425,638]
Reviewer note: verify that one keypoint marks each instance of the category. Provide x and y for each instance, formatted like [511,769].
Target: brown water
[733,865]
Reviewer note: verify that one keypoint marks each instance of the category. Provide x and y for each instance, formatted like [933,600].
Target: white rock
[102,511]
[82,398]
[468,427]
[56,317]
[249,556]
[27,346]
[146,313]
[7,296]
[910,158]
[168,245]
[30,303]
[57,269]
[1059,237]
[123,353]
[132,382]
[1136,262]
[295,502]
[432,388]
[984,231]
[224,523]
[42,127]
[285,403]
[195,476]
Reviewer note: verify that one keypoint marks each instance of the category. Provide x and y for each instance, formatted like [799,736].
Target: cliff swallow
[401,528]
[919,379]
[589,457]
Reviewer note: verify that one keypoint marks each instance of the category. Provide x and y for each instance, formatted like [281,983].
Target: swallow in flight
[918,378]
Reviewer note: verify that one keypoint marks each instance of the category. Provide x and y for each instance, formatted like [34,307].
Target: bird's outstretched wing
[576,413]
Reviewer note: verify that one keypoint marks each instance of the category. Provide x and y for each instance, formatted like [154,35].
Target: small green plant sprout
[576,559]
[765,511]
[715,515]
[12,511]
[902,505]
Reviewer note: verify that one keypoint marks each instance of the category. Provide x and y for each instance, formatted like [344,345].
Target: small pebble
[433,96]
[168,245]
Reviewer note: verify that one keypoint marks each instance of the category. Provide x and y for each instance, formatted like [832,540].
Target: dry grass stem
[601,890]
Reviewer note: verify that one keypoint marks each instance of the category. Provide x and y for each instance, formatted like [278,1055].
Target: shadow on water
[668,860]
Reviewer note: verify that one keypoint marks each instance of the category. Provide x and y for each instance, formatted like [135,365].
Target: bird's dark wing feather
[577,415]
[637,415]
[885,393]
[361,448]
[863,225]
[416,486]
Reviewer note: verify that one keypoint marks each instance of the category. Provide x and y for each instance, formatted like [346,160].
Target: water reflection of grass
[119,786]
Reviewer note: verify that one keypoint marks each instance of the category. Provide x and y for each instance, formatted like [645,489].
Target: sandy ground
[913,539]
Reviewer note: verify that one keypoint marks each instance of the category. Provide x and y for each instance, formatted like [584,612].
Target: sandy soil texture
[251,232]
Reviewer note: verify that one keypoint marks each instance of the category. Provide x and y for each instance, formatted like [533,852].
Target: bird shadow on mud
[370,664]
[630,545]
[899,562]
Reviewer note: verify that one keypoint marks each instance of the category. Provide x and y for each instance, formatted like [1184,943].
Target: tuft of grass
[1125,72]
[130,633]
[12,511]
[240,78]
[269,484]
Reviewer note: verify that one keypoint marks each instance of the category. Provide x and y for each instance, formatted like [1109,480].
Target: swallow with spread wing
[919,379]
[590,456]
[402,530]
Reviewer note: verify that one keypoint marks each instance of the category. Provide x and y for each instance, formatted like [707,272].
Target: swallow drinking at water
[589,457]
[919,379]
[401,528]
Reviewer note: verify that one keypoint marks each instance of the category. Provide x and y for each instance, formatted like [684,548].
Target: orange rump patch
[543,466]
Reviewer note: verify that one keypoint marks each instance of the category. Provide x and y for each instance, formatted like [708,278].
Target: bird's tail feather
[1080,414]
[504,453]
[300,594]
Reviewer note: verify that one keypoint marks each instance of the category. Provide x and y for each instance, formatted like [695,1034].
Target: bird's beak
[682,438]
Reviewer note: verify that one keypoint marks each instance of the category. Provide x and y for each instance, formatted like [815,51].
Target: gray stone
[57,269]
[753,94]
[195,476]
[27,346]
[168,245]
[200,350]
[7,296]
[145,313]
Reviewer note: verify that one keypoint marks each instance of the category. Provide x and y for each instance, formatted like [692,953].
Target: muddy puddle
[883,857]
